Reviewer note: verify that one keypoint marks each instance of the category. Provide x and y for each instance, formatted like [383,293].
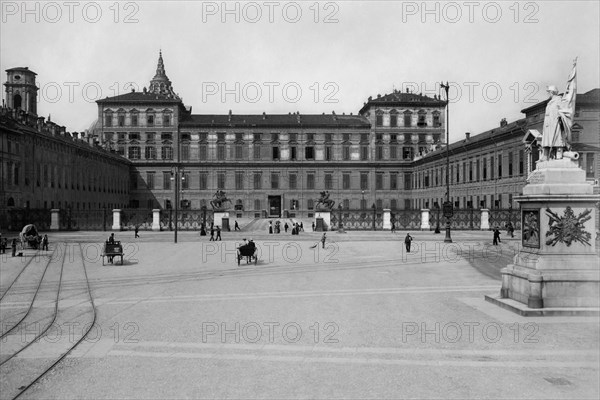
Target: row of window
[276,181]
[471,202]
[472,171]
[238,152]
[134,118]
[407,118]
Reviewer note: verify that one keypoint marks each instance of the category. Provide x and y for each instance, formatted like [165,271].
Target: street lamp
[176,172]
[362,204]
[374,214]
[340,223]
[448,212]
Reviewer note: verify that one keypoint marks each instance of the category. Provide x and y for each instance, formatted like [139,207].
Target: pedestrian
[510,229]
[407,241]
[13,245]
[323,239]
[236,226]
[285,227]
[270,227]
[45,243]
[111,239]
[212,233]
[301,226]
[393,227]
[2,245]
[218,232]
[496,237]
[313,226]
[137,229]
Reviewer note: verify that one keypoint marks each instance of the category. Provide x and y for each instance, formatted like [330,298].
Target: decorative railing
[499,218]
[14,219]
[85,220]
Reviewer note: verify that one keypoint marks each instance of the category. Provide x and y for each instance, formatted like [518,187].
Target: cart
[112,250]
[29,236]
[249,252]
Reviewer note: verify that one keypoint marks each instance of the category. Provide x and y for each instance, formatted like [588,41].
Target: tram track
[18,374]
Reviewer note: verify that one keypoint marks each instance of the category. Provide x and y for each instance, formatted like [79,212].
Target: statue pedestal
[322,221]
[556,272]
[218,219]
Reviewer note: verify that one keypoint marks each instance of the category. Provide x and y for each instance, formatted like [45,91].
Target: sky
[306,56]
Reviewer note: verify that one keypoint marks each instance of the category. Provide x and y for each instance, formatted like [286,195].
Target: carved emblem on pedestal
[568,228]
[531,228]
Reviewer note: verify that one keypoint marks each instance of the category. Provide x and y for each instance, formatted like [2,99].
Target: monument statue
[325,201]
[559,119]
[219,199]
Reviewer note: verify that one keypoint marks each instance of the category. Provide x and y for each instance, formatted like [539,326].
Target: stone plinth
[325,216]
[387,219]
[54,219]
[156,219]
[485,219]
[218,218]
[557,266]
[116,226]
[425,219]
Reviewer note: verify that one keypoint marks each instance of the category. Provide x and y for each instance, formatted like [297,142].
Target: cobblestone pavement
[361,318]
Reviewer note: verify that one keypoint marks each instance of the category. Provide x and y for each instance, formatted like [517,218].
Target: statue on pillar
[558,120]
[324,201]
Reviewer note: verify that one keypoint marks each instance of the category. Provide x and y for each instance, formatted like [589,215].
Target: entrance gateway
[274,206]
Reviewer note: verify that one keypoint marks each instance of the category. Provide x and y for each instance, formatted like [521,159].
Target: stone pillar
[218,218]
[387,219]
[54,219]
[424,219]
[322,221]
[116,219]
[156,219]
[485,219]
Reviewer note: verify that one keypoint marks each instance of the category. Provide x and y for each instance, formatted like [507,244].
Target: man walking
[407,242]
[218,232]
[323,239]
[496,237]
[137,229]
[45,243]
[236,226]
[212,233]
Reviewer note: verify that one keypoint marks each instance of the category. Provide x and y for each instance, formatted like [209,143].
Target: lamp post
[340,223]
[363,200]
[176,173]
[448,211]
[374,214]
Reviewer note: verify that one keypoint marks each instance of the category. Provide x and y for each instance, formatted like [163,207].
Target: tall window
[364,180]
[422,122]
[239,148]
[221,180]
[492,167]
[393,181]
[203,151]
[256,151]
[510,164]
[346,151]
[346,181]
[393,152]
[328,153]
[134,153]
[328,181]
[185,152]
[167,153]
[309,153]
[274,180]
[257,205]
[293,180]
[436,119]
[379,181]
[521,161]
[121,119]
[185,180]
[379,152]
[589,165]
[499,165]
[221,151]
[166,180]
[293,154]
[393,119]
[407,118]
[134,118]
[239,180]
[257,180]
[379,119]
[150,153]
[108,119]
[470,171]
[310,181]
[275,152]
[203,180]
[364,152]
[166,120]
[150,180]
[407,153]
[150,120]
[484,164]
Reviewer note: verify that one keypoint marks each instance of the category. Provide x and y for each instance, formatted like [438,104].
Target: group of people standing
[42,243]
[296,227]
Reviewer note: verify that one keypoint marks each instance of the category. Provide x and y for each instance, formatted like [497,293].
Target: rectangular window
[203,180]
[134,120]
[166,181]
[108,120]
[293,181]
[239,180]
[407,119]
[221,152]
[393,152]
[220,137]
[274,180]
[407,181]
[379,120]
[134,136]
[364,180]
[393,181]
[589,165]
[309,153]
[379,152]
[379,181]
[185,152]
[477,171]
[470,171]
[203,152]
[167,153]
[346,181]
[310,181]
[484,163]
[346,151]
[407,153]
[492,158]
[256,151]
[239,149]
[510,164]
[328,181]
[257,180]
[150,120]
[167,120]
[500,166]
[293,153]
[166,136]
[150,180]
[328,153]
[364,138]
[121,120]
[393,120]
[185,180]
[521,161]
[364,152]
[275,153]
[221,180]
[293,138]
[134,153]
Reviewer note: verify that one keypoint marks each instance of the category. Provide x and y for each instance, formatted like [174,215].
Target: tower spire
[161,84]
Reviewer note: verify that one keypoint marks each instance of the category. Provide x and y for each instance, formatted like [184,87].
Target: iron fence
[14,219]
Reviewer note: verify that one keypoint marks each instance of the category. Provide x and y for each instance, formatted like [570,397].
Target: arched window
[10,202]
[17,100]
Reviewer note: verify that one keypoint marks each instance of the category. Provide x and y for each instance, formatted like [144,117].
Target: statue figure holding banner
[558,120]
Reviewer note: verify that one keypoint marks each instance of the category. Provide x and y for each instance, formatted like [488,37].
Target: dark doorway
[17,101]
[275,206]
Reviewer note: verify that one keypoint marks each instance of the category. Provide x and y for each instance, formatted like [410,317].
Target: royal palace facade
[390,155]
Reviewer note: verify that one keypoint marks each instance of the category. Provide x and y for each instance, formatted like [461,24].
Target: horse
[218,203]
[327,203]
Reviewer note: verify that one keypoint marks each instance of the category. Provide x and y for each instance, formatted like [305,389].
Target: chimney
[75,134]
[229,115]
[468,135]
[503,122]
[264,115]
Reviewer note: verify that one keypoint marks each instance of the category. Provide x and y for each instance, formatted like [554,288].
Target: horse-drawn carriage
[249,251]
[111,250]
[30,236]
